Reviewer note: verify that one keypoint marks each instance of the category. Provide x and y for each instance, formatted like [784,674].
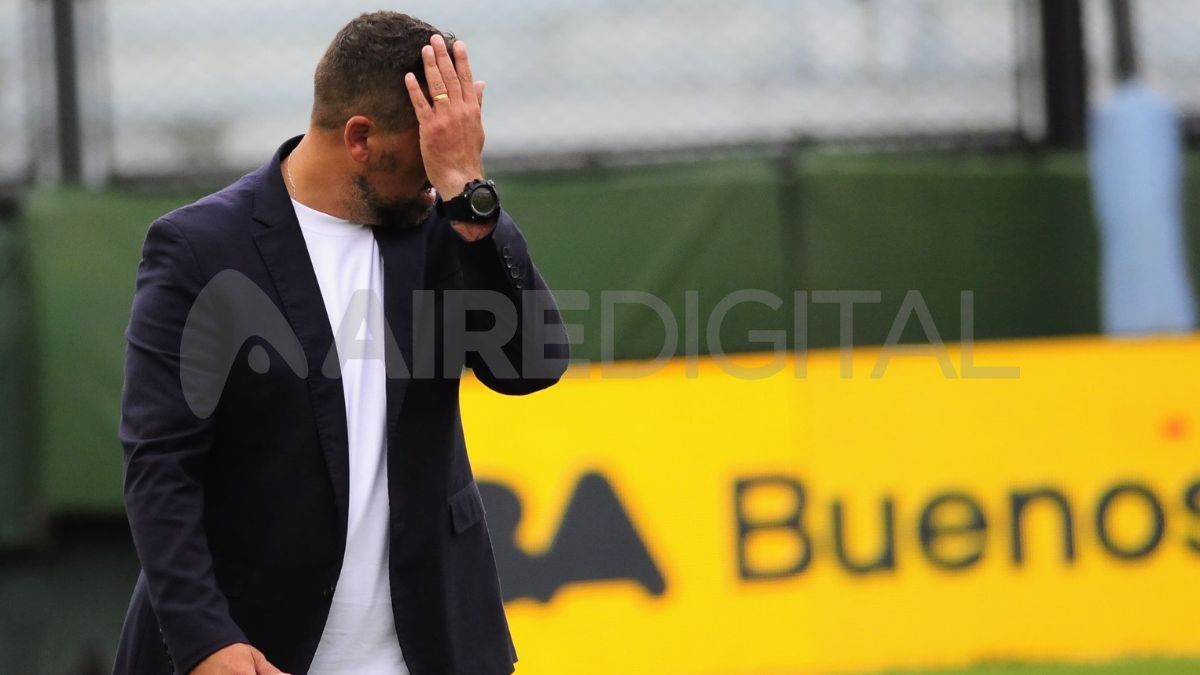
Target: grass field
[1132,667]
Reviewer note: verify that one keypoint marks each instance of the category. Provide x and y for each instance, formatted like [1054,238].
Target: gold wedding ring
[440,97]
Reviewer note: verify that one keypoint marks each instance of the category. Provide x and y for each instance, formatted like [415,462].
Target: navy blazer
[239,516]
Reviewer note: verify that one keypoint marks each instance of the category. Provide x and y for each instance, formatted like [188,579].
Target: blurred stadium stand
[210,86]
[15,104]
[585,76]
[1168,56]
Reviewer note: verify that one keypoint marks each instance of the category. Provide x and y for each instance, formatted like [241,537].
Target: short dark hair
[362,71]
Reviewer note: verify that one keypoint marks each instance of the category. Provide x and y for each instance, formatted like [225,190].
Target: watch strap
[459,207]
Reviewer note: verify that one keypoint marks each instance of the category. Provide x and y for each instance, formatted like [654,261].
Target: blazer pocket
[466,507]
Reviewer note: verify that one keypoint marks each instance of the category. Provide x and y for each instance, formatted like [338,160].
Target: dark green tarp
[1014,229]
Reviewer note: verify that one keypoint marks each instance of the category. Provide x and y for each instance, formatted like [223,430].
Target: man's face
[393,189]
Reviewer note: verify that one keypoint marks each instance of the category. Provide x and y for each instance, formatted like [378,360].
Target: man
[296,478]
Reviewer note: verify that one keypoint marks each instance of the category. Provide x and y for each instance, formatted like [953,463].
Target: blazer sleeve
[538,349]
[165,450]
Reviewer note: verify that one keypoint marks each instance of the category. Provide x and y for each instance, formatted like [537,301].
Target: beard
[398,212]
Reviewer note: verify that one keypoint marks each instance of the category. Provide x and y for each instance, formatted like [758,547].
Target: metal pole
[1064,68]
[70,135]
[1123,42]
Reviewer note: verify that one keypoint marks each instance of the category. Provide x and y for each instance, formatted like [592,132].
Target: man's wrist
[454,186]
[472,233]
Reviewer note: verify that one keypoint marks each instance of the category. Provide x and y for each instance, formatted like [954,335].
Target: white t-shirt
[360,634]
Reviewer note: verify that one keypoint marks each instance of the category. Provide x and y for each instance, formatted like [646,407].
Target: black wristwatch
[477,203]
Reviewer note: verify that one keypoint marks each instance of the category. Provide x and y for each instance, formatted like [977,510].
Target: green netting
[1017,231]
[1014,229]
[86,248]
[16,444]
[712,228]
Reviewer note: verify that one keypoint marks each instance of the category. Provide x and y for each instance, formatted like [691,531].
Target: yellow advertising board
[813,520]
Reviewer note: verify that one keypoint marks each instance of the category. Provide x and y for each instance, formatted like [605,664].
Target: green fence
[1017,230]
[18,513]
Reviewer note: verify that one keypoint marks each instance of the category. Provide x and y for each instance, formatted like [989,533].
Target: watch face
[483,200]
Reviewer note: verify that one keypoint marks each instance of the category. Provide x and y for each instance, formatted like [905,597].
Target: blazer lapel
[403,253]
[281,245]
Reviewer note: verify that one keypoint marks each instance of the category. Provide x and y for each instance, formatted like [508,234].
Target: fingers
[420,104]
[453,79]
[444,68]
[263,667]
[433,76]
[462,64]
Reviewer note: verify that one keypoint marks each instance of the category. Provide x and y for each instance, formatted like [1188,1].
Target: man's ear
[355,135]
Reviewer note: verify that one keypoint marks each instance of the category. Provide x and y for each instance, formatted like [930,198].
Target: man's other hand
[236,659]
